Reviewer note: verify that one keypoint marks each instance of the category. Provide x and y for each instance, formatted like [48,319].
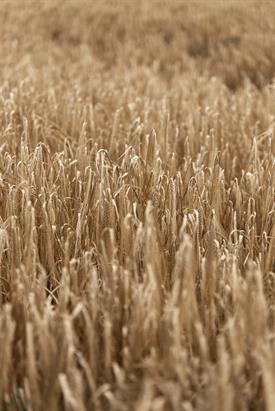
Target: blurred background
[232,40]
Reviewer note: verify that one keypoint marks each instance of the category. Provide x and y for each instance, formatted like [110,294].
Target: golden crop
[137,212]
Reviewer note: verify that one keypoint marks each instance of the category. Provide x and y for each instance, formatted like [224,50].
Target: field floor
[137,205]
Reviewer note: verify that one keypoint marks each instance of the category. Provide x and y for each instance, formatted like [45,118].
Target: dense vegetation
[137,213]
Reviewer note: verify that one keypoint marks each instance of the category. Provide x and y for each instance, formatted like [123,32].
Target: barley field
[137,212]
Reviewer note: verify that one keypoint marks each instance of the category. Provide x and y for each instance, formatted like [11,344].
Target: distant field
[137,205]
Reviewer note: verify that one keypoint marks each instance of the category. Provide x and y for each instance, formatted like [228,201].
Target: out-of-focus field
[137,212]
